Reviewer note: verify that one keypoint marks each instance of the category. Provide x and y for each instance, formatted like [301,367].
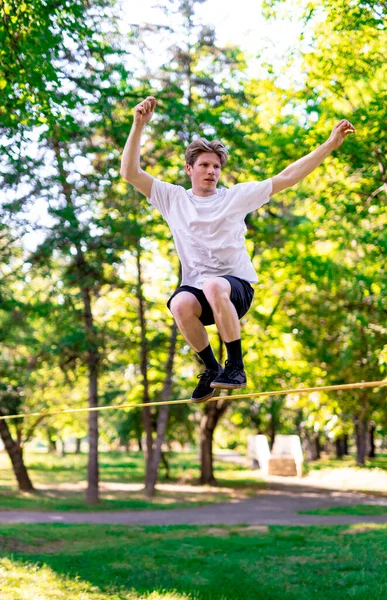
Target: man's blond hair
[202,145]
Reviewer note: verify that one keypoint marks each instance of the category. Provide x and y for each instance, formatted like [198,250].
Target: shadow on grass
[173,496]
[61,482]
[122,478]
[54,500]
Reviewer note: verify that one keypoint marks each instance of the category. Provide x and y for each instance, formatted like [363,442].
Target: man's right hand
[143,112]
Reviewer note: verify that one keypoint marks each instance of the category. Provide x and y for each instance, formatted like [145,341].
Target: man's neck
[204,193]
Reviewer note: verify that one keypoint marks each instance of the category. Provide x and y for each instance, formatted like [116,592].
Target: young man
[207,224]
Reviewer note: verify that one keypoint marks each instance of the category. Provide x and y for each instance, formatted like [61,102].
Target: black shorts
[241,296]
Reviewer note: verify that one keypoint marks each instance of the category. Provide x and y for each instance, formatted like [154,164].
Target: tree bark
[372,447]
[339,445]
[317,445]
[345,444]
[146,413]
[162,419]
[51,445]
[16,457]
[165,462]
[272,430]
[92,492]
[310,444]
[50,438]
[85,282]
[212,413]
[361,435]
[61,449]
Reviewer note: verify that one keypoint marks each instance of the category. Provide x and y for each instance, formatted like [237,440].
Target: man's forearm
[305,165]
[130,163]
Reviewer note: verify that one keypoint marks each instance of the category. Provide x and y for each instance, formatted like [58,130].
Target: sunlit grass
[380,462]
[21,580]
[192,563]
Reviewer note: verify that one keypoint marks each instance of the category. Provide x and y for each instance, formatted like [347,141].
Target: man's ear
[188,170]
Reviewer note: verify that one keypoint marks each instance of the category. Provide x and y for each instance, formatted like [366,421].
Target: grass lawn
[174,563]
[60,483]
[380,462]
[345,474]
[356,509]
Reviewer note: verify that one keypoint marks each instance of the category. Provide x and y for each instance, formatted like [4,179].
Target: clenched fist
[143,112]
[339,132]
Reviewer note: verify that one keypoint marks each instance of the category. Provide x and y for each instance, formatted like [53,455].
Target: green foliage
[330,263]
[37,38]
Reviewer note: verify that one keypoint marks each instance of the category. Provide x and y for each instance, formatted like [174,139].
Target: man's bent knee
[184,306]
[216,288]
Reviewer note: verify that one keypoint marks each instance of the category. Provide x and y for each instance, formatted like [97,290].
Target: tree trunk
[345,444]
[16,457]
[317,445]
[165,462]
[211,415]
[61,449]
[50,439]
[206,455]
[92,493]
[78,442]
[19,438]
[272,430]
[361,435]
[213,411]
[339,445]
[51,445]
[162,419]
[85,280]
[146,413]
[371,453]
[310,444]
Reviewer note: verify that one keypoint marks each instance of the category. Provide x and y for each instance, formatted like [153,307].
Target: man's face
[204,173]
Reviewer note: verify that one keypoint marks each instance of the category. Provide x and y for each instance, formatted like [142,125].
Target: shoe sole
[200,400]
[228,386]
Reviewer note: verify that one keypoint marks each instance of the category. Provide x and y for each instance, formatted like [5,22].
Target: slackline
[326,388]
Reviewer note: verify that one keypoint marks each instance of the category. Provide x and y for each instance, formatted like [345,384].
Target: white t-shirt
[209,232]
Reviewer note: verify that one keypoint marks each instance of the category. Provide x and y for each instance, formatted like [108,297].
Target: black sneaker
[203,390]
[232,377]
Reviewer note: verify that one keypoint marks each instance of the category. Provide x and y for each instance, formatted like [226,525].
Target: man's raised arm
[305,165]
[130,163]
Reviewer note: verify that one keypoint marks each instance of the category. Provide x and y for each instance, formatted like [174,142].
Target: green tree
[62,166]
[340,309]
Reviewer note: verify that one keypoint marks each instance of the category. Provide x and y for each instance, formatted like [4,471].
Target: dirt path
[276,506]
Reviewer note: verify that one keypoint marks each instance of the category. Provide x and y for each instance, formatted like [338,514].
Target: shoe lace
[232,368]
[206,376]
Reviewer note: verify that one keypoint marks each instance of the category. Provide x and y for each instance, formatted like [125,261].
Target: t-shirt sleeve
[162,196]
[254,194]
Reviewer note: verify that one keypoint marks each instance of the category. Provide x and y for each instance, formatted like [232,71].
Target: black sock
[234,351]
[207,356]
